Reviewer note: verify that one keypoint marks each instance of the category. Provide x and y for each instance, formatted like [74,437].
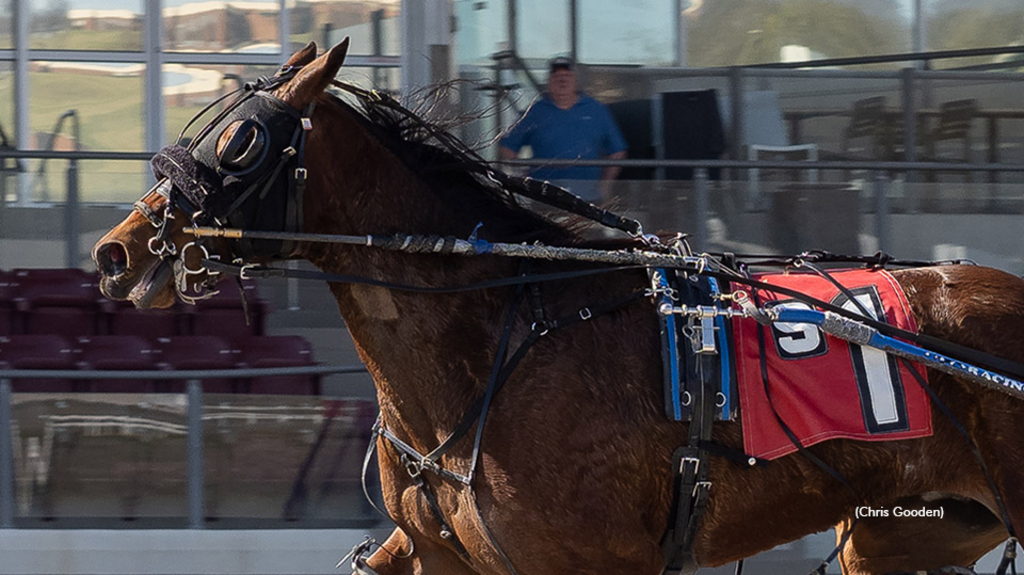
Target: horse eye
[244,147]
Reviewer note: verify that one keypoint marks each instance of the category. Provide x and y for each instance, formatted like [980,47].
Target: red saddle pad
[820,386]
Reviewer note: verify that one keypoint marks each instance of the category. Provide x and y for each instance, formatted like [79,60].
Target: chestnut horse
[574,472]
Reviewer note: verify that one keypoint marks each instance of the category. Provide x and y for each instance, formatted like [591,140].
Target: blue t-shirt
[586,131]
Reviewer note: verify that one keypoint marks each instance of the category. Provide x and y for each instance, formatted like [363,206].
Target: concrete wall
[175,552]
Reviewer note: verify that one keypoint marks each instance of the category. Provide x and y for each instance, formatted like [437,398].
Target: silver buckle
[684,460]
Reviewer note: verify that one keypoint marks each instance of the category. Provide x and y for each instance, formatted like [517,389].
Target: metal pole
[6,458]
[71,219]
[882,228]
[22,125]
[574,29]
[702,205]
[284,31]
[293,288]
[154,105]
[194,417]
[377,34]
[918,38]
[907,77]
[737,105]
[513,26]
[680,32]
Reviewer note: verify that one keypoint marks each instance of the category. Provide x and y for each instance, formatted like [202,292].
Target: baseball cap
[560,63]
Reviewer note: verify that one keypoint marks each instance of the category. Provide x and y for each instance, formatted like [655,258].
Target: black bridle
[256,179]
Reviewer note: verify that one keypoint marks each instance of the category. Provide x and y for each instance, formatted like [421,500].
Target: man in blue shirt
[567,124]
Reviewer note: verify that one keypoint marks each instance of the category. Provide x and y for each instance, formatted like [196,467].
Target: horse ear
[316,76]
[303,56]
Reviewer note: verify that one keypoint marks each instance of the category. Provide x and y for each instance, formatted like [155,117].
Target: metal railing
[194,415]
[877,174]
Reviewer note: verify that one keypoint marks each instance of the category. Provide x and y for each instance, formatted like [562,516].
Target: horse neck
[429,355]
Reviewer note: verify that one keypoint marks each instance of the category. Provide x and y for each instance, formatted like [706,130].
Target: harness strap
[446,533]
[820,570]
[417,462]
[691,484]
[254,271]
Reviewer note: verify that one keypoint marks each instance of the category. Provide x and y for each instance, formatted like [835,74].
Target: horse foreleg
[396,557]
[893,544]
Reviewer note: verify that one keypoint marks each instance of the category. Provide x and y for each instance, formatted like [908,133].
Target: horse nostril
[112,259]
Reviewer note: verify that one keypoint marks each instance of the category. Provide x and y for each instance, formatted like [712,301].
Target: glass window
[980,24]
[82,25]
[627,32]
[99,455]
[543,28]
[6,25]
[86,106]
[372,25]
[205,26]
[732,32]
[188,88]
[382,79]
[482,30]
[279,457]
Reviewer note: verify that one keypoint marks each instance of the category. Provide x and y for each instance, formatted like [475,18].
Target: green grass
[87,40]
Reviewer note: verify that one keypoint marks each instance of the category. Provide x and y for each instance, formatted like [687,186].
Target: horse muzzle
[119,281]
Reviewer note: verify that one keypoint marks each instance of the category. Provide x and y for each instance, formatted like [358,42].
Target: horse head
[245,168]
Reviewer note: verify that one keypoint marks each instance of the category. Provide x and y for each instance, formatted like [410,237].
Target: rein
[219,188]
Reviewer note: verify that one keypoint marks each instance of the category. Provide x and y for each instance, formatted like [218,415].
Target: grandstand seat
[55,301]
[38,352]
[6,303]
[277,351]
[117,352]
[122,318]
[204,352]
[224,315]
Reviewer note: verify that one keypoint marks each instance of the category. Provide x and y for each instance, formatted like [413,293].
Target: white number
[879,380]
[797,340]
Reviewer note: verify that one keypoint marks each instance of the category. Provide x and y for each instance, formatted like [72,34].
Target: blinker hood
[255,188]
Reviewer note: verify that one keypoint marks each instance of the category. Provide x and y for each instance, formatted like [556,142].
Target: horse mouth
[146,291]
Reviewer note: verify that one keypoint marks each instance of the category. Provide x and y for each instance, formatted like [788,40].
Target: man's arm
[506,153]
[612,172]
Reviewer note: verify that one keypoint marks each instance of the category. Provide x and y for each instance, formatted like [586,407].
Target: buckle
[694,460]
[701,486]
[242,272]
[307,124]
[300,174]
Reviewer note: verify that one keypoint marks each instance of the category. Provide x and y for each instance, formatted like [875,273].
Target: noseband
[256,180]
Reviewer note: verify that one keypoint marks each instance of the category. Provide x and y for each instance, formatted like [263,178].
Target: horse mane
[452,170]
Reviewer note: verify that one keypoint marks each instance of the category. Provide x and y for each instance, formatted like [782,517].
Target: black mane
[452,170]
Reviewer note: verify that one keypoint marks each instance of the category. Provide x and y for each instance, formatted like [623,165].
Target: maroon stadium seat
[6,303]
[122,318]
[117,352]
[278,351]
[38,352]
[55,301]
[223,314]
[204,352]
